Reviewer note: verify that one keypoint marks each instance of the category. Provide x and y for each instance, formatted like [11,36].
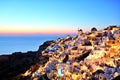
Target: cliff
[18,62]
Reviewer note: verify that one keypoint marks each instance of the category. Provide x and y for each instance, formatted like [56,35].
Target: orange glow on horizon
[22,32]
[25,33]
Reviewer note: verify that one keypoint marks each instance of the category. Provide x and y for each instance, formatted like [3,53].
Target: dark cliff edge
[18,62]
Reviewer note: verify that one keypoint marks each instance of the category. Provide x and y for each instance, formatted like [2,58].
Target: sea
[23,43]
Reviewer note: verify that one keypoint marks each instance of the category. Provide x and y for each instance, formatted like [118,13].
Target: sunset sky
[56,16]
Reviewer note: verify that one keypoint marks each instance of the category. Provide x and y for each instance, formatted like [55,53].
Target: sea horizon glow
[56,16]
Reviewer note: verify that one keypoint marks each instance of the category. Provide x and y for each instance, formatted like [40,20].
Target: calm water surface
[10,44]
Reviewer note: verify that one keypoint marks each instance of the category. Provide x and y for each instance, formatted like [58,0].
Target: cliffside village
[87,56]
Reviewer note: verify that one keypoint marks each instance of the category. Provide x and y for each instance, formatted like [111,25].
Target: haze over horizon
[56,16]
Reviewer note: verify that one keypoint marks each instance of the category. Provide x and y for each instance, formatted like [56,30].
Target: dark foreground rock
[17,63]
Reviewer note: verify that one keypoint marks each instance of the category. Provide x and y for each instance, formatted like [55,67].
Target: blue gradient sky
[57,16]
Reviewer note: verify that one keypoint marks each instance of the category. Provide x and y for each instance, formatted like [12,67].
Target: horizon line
[38,33]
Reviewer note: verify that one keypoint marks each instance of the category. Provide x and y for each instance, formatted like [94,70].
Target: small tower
[80,32]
